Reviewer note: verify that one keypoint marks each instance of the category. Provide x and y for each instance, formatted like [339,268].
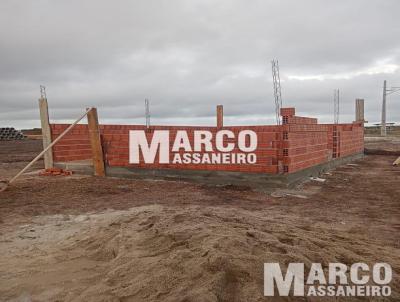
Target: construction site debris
[55,172]
[318,179]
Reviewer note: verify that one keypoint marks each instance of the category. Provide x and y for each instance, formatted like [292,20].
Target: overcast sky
[188,56]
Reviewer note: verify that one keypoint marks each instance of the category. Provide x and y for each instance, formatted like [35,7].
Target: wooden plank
[46,132]
[95,141]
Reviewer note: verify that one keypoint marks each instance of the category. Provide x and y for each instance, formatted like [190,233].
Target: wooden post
[97,150]
[44,151]
[360,110]
[46,132]
[220,116]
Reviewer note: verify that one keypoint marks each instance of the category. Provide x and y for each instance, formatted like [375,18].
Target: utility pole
[277,90]
[386,92]
[383,119]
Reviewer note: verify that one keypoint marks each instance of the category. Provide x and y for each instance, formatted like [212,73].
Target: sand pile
[158,253]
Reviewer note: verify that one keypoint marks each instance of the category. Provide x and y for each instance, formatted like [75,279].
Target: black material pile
[8,134]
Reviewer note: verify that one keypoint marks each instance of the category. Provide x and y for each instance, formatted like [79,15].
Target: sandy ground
[389,145]
[91,239]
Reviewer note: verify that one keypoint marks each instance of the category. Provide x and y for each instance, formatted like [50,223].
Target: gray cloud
[188,56]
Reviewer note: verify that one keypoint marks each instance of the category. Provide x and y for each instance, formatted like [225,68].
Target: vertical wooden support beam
[220,116]
[97,150]
[360,110]
[46,132]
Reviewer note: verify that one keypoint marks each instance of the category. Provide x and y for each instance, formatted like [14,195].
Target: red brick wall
[351,139]
[307,143]
[304,146]
[116,139]
[297,144]
[75,145]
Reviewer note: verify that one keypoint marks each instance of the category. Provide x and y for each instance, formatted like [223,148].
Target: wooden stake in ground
[46,132]
[5,186]
[95,141]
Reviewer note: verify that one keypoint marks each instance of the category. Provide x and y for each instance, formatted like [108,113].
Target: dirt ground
[382,146]
[81,238]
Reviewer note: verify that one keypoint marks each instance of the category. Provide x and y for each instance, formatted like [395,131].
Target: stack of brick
[55,172]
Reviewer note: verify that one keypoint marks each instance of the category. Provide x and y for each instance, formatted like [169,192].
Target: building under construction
[299,146]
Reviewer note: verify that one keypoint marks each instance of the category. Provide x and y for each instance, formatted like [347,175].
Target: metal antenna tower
[336,106]
[386,91]
[277,89]
[147,112]
[43,92]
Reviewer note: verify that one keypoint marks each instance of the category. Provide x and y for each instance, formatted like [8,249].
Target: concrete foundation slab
[258,181]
